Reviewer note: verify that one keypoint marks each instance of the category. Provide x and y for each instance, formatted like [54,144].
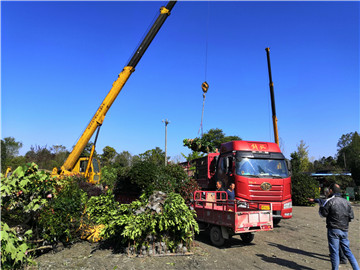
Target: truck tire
[276,221]
[216,237]
[247,237]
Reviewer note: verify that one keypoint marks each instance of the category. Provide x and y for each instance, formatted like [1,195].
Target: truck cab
[258,169]
[260,173]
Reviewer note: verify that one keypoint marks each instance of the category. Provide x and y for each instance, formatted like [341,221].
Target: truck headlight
[288,205]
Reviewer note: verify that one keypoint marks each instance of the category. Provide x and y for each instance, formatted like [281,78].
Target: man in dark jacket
[321,202]
[338,213]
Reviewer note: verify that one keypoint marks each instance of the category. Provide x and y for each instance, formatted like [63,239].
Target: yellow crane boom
[71,164]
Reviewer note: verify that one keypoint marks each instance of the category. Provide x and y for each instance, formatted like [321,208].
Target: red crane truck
[258,169]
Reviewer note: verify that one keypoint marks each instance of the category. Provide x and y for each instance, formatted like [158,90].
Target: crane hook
[205,86]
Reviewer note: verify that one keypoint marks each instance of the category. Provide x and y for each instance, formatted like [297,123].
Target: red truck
[258,169]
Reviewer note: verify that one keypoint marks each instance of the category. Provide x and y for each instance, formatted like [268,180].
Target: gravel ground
[297,243]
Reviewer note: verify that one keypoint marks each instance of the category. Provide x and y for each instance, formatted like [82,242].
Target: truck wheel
[247,237]
[216,236]
[276,221]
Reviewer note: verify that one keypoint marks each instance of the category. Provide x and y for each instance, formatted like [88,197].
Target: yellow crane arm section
[97,119]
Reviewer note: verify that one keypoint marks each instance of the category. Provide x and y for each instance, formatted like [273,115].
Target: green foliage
[143,174]
[3,157]
[187,189]
[146,176]
[14,248]
[108,156]
[123,159]
[40,207]
[175,171]
[102,208]
[156,156]
[16,162]
[9,151]
[25,192]
[60,155]
[326,164]
[47,158]
[109,176]
[193,155]
[138,222]
[60,219]
[216,136]
[41,156]
[300,159]
[348,156]
[303,187]
[199,145]
[343,181]
[24,195]
[210,141]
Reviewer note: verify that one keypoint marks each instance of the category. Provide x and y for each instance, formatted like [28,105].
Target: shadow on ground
[282,262]
[300,252]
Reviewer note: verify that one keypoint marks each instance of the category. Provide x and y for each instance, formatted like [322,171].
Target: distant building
[322,177]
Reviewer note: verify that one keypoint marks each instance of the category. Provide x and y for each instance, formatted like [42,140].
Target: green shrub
[146,176]
[109,176]
[187,189]
[25,192]
[60,219]
[303,187]
[14,248]
[141,223]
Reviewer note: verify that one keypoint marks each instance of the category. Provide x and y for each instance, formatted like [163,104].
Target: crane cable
[205,85]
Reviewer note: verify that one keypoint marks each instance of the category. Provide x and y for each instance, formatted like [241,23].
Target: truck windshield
[262,168]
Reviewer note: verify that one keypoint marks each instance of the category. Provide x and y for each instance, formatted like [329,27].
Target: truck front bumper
[282,209]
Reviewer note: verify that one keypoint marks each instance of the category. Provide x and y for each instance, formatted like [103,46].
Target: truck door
[225,170]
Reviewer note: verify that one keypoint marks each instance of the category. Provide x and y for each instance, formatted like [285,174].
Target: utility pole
[166,123]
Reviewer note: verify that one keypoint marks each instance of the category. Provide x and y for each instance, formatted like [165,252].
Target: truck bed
[213,207]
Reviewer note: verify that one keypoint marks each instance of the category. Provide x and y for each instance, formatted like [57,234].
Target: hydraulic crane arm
[99,116]
[272,95]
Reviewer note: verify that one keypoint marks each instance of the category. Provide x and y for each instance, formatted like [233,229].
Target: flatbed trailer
[225,218]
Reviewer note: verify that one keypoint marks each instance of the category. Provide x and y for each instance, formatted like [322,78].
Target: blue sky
[59,60]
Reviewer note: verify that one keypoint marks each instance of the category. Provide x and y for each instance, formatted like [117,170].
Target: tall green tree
[42,156]
[3,157]
[12,147]
[326,164]
[9,151]
[300,159]
[123,159]
[210,141]
[348,156]
[60,155]
[303,185]
[156,156]
[216,136]
[108,156]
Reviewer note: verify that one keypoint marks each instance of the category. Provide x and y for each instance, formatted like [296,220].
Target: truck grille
[257,194]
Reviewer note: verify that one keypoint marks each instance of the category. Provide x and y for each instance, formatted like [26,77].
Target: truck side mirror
[288,165]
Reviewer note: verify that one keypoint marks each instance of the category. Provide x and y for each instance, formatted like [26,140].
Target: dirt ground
[297,243]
